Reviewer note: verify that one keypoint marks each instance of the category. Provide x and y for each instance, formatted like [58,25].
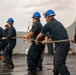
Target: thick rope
[11,38]
[48,41]
[51,41]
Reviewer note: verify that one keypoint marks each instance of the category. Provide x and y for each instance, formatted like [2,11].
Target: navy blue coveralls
[58,32]
[35,50]
[75,35]
[2,42]
[50,45]
[6,31]
[11,44]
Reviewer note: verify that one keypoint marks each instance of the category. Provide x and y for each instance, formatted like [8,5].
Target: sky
[22,10]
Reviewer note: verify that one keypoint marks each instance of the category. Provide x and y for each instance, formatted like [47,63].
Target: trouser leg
[8,53]
[50,49]
[60,59]
[33,56]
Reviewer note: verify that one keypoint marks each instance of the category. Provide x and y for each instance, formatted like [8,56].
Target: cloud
[63,8]
[28,6]
[22,10]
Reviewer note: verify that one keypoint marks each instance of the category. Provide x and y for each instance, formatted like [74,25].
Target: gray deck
[21,66]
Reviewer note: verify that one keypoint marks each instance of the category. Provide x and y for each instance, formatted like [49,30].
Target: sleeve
[10,33]
[48,35]
[0,31]
[34,28]
[45,29]
[3,33]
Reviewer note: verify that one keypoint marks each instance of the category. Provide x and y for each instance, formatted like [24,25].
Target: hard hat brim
[49,15]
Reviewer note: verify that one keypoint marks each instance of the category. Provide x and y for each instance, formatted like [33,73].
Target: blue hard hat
[10,20]
[36,15]
[49,13]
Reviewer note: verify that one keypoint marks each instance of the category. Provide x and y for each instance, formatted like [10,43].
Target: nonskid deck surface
[20,63]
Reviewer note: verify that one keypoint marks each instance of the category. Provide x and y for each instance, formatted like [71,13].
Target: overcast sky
[22,10]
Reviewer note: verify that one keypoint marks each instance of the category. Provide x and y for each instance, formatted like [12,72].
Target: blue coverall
[11,44]
[58,32]
[35,51]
